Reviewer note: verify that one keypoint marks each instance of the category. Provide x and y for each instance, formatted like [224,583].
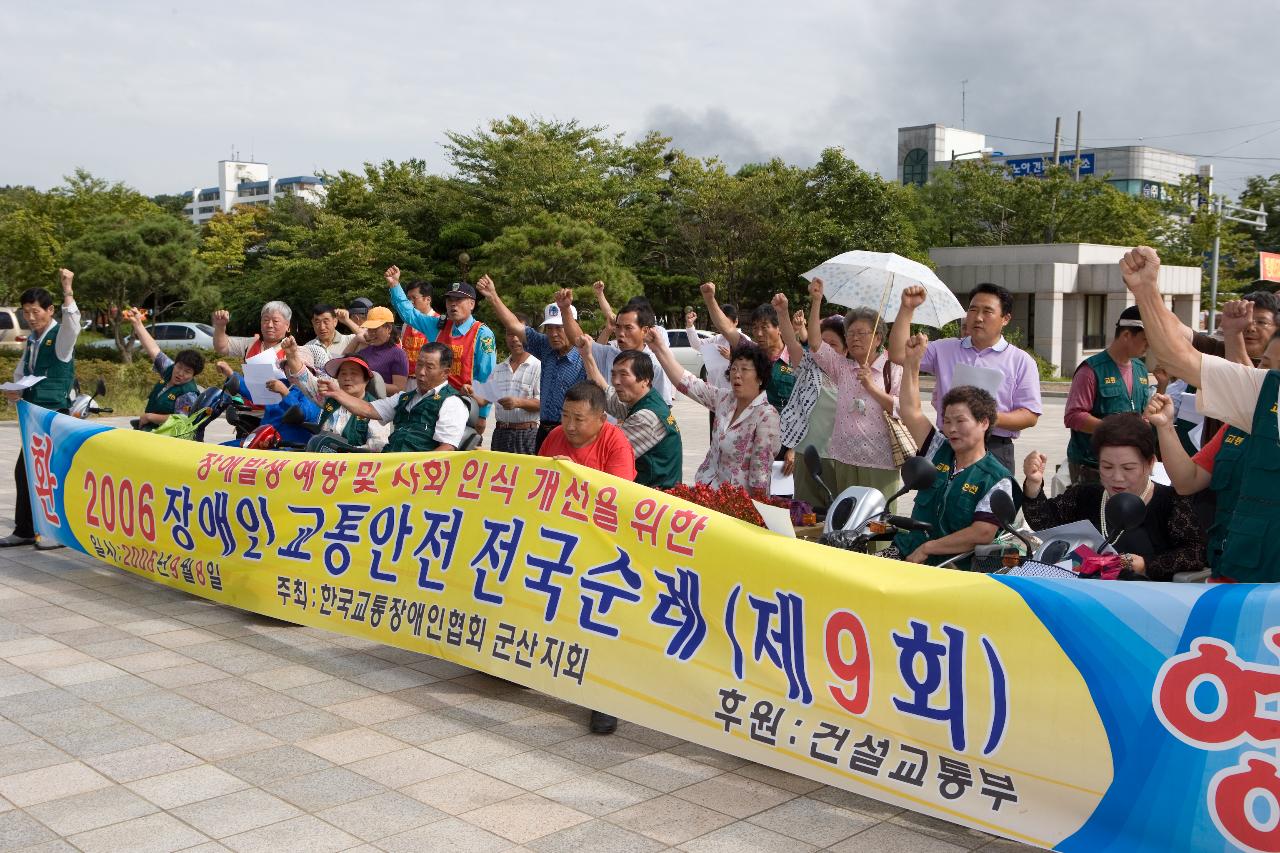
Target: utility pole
[1057,139]
[1222,209]
[963,113]
[1079,124]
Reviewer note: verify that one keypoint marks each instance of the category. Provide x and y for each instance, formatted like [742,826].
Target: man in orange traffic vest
[472,342]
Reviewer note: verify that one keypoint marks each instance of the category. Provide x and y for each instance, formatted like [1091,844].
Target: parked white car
[13,329]
[687,352]
[171,336]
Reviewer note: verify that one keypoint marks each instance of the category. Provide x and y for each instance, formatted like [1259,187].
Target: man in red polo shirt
[585,437]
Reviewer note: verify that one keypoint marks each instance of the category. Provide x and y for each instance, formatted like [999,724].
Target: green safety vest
[356,432]
[1111,397]
[782,380]
[1249,552]
[54,392]
[414,430]
[661,466]
[163,399]
[950,504]
[1228,471]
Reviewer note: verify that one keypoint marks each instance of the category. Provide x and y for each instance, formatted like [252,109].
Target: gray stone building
[1067,297]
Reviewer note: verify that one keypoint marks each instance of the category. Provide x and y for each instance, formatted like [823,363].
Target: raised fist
[64,277]
[564,298]
[342,315]
[392,275]
[1237,316]
[780,304]
[815,289]
[1160,411]
[598,287]
[289,345]
[1140,268]
[708,290]
[690,319]
[221,318]
[1034,465]
[913,297]
[916,346]
[485,287]
[583,343]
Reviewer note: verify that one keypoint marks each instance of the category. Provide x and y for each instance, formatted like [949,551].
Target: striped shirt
[559,373]
[524,381]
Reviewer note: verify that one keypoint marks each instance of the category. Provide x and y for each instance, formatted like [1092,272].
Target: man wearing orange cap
[377,347]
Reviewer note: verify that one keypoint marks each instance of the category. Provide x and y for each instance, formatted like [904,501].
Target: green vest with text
[1110,398]
[163,399]
[414,430]
[950,504]
[1228,472]
[1249,552]
[662,466]
[782,381]
[59,376]
[356,432]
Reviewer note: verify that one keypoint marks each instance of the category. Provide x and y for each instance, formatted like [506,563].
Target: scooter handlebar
[907,523]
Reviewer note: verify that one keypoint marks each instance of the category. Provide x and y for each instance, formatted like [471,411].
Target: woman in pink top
[746,436]
[866,388]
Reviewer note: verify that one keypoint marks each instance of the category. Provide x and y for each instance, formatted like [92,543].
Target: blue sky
[154,94]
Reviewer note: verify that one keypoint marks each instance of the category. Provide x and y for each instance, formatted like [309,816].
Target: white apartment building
[247,183]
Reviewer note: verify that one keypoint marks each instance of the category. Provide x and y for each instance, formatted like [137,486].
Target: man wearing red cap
[353,376]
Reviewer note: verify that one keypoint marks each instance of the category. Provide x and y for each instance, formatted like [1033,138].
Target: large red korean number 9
[853,668]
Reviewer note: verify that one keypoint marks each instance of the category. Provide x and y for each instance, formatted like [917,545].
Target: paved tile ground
[135,717]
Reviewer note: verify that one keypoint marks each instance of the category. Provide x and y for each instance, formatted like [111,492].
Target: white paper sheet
[780,485]
[22,384]
[487,390]
[1188,411]
[256,376]
[1160,475]
[986,378]
[715,363]
[776,519]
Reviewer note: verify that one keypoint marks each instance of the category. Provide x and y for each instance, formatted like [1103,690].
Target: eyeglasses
[854,333]
[1262,323]
[740,369]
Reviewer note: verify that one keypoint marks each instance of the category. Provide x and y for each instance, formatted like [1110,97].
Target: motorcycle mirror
[813,462]
[918,474]
[293,416]
[100,390]
[77,387]
[232,386]
[1002,508]
[1124,512]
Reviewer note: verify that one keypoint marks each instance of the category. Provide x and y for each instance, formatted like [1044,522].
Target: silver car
[171,336]
[687,352]
[13,329]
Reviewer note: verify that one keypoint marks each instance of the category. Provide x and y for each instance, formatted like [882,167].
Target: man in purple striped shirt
[990,310]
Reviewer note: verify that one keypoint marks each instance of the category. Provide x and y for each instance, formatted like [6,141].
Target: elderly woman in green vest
[1218,466]
[959,503]
[49,353]
[352,376]
[642,414]
[177,375]
[1106,383]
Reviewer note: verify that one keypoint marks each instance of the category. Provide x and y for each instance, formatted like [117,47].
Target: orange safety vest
[464,352]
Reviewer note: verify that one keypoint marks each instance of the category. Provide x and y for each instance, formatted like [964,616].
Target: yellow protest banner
[950,693]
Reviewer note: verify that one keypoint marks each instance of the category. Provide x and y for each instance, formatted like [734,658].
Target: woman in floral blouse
[746,437]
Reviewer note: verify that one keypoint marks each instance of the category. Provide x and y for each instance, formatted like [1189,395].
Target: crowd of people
[844,384]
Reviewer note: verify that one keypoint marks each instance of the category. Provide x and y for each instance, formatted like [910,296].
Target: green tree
[1264,192]
[147,262]
[530,262]
[314,256]
[29,251]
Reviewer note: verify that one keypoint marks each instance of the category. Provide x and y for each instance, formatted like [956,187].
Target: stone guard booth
[1067,297]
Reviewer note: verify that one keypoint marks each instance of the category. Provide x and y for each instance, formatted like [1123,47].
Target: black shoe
[603,724]
[13,540]
[43,544]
